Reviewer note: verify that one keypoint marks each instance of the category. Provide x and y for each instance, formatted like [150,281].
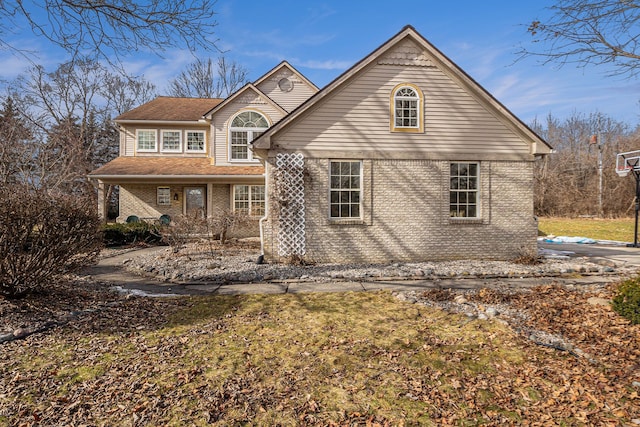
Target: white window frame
[155,141]
[339,190]
[163,132]
[204,141]
[163,196]
[459,205]
[419,107]
[251,132]
[251,202]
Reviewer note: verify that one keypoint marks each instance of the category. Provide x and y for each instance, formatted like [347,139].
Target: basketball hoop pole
[636,174]
[626,163]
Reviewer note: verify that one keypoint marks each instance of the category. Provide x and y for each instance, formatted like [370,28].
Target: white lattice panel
[290,188]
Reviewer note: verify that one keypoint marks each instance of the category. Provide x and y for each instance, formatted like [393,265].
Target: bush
[131,233]
[627,300]
[42,237]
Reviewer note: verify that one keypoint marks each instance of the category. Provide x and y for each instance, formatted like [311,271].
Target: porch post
[209,203]
[102,205]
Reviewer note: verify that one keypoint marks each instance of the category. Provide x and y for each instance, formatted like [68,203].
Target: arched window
[245,127]
[406,109]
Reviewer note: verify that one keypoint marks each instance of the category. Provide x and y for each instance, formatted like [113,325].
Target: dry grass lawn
[315,359]
[618,229]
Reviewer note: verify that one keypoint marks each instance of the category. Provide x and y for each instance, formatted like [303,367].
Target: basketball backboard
[627,162]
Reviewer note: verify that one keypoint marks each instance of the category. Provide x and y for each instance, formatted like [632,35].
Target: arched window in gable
[245,127]
[407,107]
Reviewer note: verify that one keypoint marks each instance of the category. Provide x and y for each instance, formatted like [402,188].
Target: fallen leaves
[325,359]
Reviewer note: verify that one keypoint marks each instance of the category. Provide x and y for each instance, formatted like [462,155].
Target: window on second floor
[146,140]
[195,141]
[171,141]
[406,109]
[245,127]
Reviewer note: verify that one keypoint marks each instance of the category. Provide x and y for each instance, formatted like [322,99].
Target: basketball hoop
[623,172]
[625,163]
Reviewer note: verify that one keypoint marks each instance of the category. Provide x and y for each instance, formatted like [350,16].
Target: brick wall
[141,200]
[406,216]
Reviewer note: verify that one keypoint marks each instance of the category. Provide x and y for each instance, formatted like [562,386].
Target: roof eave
[200,122]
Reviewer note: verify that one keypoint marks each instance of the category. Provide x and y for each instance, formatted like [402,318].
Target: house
[191,156]
[403,157]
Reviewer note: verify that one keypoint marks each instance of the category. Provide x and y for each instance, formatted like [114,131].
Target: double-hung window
[245,127]
[345,198]
[164,196]
[171,141]
[249,199]
[195,141]
[146,140]
[463,190]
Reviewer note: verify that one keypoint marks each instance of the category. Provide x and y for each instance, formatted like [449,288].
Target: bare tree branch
[589,32]
[108,29]
[204,79]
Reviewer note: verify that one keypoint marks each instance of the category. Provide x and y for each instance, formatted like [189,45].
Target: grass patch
[311,359]
[619,229]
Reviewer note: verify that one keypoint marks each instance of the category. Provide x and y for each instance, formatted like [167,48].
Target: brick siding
[406,216]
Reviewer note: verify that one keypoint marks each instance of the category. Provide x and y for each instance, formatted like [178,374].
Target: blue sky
[324,38]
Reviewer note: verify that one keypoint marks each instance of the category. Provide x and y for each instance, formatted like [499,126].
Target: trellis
[290,189]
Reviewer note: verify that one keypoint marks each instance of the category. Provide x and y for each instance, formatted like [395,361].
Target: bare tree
[590,32]
[204,79]
[106,29]
[566,182]
[124,93]
[68,113]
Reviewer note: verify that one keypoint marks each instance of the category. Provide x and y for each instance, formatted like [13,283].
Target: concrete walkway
[110,270]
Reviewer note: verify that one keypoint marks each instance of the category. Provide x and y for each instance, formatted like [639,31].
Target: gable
[248,99]
[287,88]
[352,114]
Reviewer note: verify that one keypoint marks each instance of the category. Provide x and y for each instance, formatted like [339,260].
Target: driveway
[616,253]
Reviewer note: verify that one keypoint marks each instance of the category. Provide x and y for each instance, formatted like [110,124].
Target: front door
[195,198]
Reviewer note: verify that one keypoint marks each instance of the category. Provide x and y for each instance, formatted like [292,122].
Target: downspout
[266,212]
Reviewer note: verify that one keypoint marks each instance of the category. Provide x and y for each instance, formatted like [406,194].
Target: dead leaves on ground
[350,359]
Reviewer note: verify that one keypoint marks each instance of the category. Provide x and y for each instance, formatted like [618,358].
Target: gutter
[117,177]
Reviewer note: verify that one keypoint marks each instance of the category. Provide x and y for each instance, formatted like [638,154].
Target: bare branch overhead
[109,29]
[589,32]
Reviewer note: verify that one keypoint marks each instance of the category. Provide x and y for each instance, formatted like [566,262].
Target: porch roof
[175,167]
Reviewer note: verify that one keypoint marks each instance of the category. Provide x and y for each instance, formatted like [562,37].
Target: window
[171,141]
[406,109]
[146,140]
[463,190]
[164,196]
[345,194]
[195,140]
[245,127]
[249,199]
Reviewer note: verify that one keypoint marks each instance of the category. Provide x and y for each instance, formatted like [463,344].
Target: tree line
[567,181]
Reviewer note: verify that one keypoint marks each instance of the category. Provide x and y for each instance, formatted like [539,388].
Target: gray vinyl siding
[287,100]
[357,117]
[221,121]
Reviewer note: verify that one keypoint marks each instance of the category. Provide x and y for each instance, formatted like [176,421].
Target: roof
[166,108]
[263,142]
[170,166]
[248,87]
